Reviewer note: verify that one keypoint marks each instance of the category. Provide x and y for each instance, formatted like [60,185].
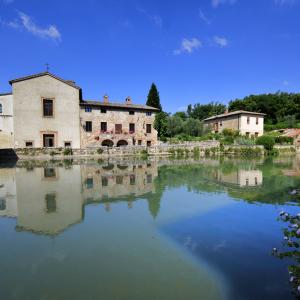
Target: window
[2,204]
[50,203]
[132,179]
[247,134]
[88,126]
[131,112]
[48,140]
[148,113]
[119,179]
[248,120]
[149,178]
[103,126]
[89,183]
[131,128]
[256,120]
[118,128]
[28,144]
[148,128]
[103,110]
[256,134]
[255,180]
[104,181]
[88,109]
[148,143]
[48,107]
[0,108]
[221,124]
[139,142]
[68,144]
[49,173]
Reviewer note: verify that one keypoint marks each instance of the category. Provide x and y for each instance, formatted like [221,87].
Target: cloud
[155,19]
[217,3]
[286,83]
[50,32]
[188,46]
[24,22]
[286,2]
[203,17]
[220,41]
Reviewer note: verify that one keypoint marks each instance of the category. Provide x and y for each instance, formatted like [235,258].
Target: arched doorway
[107,143]
[122,143]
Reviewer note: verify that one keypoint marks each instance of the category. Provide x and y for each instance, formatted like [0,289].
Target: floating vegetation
[291,244]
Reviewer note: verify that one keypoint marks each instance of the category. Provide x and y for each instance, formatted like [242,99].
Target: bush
[244,141]
[267,141]
[284,140]
[100,151]
[230,132]
[68,151]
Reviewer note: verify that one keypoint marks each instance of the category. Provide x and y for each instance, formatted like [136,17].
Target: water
[159,229]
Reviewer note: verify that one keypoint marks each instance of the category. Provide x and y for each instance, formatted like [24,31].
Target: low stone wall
[105,152]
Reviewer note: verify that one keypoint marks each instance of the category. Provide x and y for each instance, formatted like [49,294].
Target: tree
[161,124]
[153,97]
[203,111]
[175,125]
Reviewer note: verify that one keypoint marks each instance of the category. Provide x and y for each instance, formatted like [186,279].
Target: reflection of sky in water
[237,240]
[94,230]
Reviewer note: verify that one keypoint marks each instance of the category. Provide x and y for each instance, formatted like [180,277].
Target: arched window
[0,108]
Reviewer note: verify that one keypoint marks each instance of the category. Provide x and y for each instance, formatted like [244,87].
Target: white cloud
[155,19]
[286,83]
[217,3]
[24,22]
[220,41]
[188,46]
[50,32]
[203,17]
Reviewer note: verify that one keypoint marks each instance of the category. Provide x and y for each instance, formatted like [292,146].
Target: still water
[157,229]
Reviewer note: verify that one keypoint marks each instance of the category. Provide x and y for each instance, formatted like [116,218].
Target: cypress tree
[153,97]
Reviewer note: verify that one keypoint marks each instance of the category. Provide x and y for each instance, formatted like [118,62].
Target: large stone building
[45,110]
[246,122]
[6,120]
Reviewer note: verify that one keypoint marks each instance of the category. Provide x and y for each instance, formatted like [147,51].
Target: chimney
[105,99]
[128,100]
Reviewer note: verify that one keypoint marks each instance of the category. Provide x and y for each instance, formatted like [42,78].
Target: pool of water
[154,229]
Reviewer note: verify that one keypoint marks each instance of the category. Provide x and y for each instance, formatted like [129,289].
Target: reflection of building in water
[118,181]
[51,199]
[8,198]
[240,177]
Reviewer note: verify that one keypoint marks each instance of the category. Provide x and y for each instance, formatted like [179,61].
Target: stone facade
[45,111]
[6,121]
[117,126]
[247,123]
[31,126]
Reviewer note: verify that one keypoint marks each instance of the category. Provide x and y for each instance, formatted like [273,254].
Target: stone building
[6,120]
[246,122]
[45,111]
[116,124]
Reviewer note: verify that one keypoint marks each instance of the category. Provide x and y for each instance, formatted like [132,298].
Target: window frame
[131,112]
[85,128]
[248,120]
[88,109]
[53,107]
[103,110]
[32,144]
[103,130]
[147,128]
[1,108]
[119,131]
[148,113]
[131,131]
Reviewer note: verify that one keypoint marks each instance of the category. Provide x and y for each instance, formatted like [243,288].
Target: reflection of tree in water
[291,248]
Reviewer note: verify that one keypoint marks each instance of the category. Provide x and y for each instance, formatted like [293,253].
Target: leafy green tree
[267,141]
[181,114]
[153,97]
[203,111]
[175,125]
[161,124]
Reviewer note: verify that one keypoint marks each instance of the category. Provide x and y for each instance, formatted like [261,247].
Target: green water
[136,229]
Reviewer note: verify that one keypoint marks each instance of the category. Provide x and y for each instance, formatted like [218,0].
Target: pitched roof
[237,112]
[68,82]
[5,94]
[118,105]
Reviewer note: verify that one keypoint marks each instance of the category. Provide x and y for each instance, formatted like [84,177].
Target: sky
[195,51]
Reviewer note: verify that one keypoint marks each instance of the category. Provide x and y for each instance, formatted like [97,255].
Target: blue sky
[195,51]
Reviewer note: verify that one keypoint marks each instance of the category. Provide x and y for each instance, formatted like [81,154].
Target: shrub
[283,140]
[245,141]
[68,151]
[100,150]
[267,141]
[230,132]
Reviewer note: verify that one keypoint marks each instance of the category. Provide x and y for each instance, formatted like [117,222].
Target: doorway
[48,140]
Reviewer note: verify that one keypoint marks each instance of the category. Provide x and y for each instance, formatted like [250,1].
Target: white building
[6,120]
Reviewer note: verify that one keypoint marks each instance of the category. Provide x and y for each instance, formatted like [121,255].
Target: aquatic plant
[291,246]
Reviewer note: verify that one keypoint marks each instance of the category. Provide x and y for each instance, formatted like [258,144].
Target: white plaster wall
[6,121]
[29,122]
[252,127]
